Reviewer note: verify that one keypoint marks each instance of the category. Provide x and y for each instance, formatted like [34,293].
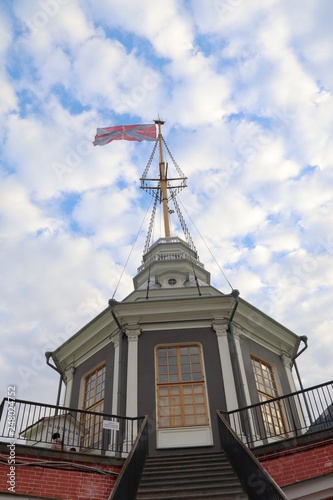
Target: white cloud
[246,90]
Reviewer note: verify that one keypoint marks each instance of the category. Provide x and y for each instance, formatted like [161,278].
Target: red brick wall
[78,483]
[299,463]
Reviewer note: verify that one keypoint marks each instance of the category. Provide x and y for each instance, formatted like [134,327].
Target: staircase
[208,475]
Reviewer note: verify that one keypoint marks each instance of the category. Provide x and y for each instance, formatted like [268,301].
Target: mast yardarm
[163,188]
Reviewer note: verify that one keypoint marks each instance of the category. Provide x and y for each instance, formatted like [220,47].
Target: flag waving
[125,132]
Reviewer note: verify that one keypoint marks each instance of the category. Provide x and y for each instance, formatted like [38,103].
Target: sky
[245,90]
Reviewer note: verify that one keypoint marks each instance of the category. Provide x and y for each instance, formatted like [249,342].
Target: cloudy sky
[245,89]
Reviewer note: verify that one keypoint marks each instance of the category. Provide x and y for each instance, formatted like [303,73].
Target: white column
[68,379]
[116,363]
[220,329]
[132,371]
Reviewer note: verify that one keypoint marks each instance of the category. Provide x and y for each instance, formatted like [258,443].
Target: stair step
[190,491]
[183,482]
[189,458]
[189,495]
[158,475]
[192,477]
[194,495]
[196,469]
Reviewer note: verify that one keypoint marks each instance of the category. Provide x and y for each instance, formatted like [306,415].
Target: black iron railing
[257,483]
[128,480]
[295,414]
[69,429]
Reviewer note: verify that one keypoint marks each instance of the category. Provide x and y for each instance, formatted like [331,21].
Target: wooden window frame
[190,411]
[93,423]
[272,413]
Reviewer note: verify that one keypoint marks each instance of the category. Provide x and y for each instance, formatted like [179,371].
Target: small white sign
[108,424]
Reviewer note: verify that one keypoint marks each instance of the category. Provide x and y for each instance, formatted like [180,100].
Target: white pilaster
[68,379]
[115,387]
[287,363]
[132,333]
[220,329]
[236,332]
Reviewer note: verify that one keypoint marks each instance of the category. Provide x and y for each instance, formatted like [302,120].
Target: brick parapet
[299,463]
[78,478]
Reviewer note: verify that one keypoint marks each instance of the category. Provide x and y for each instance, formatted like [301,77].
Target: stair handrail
[128,480]
[256,481]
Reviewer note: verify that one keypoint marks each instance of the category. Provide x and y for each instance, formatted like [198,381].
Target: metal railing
[63,428]
[288,416]
[255,480]
[128,480]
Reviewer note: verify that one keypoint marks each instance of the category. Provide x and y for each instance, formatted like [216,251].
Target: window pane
[189,420]
[188,410]
[176,421]
[165,411]
[201,420]
[175,411]
[165,421]
[198,399]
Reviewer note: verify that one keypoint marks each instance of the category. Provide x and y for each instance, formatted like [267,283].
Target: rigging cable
[129,256]
[218,265]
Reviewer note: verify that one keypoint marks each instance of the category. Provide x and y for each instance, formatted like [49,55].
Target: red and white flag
[145,132]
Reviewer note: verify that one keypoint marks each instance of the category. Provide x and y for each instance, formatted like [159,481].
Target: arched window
[181,392]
